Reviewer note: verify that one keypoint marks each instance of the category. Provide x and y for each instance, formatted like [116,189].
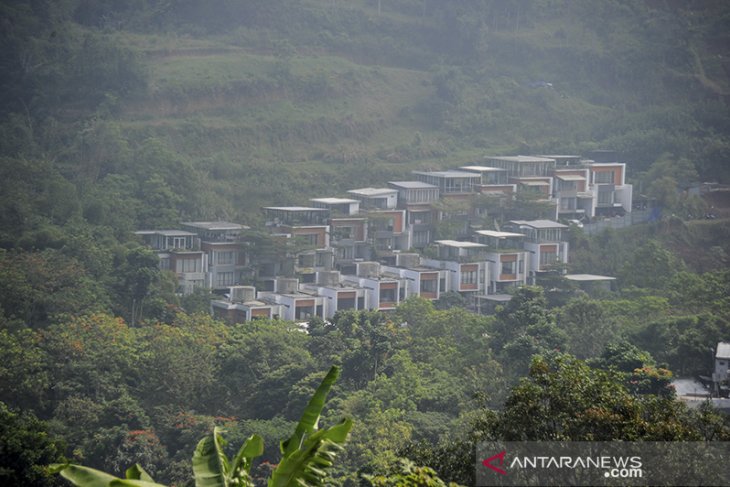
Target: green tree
[261,360]
[587,327]
[408,475]
[306,455]
[26,449]
[179,362]
[24,374]
[565,399]
[40,288]
[137,272]
[650,266]
[525,327]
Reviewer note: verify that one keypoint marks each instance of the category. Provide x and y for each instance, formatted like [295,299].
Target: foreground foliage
[305,456]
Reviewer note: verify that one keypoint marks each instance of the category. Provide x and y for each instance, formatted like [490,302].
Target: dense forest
[120,116]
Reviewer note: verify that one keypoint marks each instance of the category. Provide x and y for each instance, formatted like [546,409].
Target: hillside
[122,116]
[262,102]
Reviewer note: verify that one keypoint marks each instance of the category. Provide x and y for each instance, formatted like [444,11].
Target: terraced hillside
[205,112]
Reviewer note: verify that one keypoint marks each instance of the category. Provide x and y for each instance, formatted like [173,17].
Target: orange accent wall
[616,170]
[508,258]
[347,295]
[398,222]
[304,302]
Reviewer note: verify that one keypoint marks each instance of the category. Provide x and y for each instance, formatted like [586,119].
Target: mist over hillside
[224,108]
[136,116]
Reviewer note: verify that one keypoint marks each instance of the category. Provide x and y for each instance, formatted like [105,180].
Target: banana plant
[135,476]
[305,455]
[310,451]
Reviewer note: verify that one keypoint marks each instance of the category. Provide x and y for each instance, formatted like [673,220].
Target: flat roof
[500,298]
[294,208]
[540,223]
[520,158]
[334,201]
[723,350]
[588,277]
[166,233]
[560,156]
[412,185]
[373,191]
[570,177]
[447,174]
[460,244]
[534,183]
[494,233]
[217,225]
[482,168]
[690,387]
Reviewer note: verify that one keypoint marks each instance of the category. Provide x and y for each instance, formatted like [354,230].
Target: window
[225,279]
[429,286]
[550,234]
[342,232]
[189,265]
[225,258]
[605,198]
[344,253]
[469,277]
[568,203]
[178,242]
[421,238]
[508,267]
[384,244]
[548,258]
[603,177]
[388,295]
[311,239]
[566,185]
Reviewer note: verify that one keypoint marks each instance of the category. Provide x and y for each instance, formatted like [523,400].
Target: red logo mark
[499,456]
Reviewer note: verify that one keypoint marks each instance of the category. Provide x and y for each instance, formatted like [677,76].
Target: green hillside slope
[204,111]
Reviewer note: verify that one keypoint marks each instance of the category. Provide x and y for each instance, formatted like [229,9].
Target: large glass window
[605,198]
[342,232]
[603,177]
[225,258]
[421,238]
[388,295]
[189,265]
[469,277]
[548,258]
[429,286]
[310,239]
[225,279]
[178,242]
[568,203]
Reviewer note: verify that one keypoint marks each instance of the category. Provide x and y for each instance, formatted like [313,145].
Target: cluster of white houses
[375,247]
